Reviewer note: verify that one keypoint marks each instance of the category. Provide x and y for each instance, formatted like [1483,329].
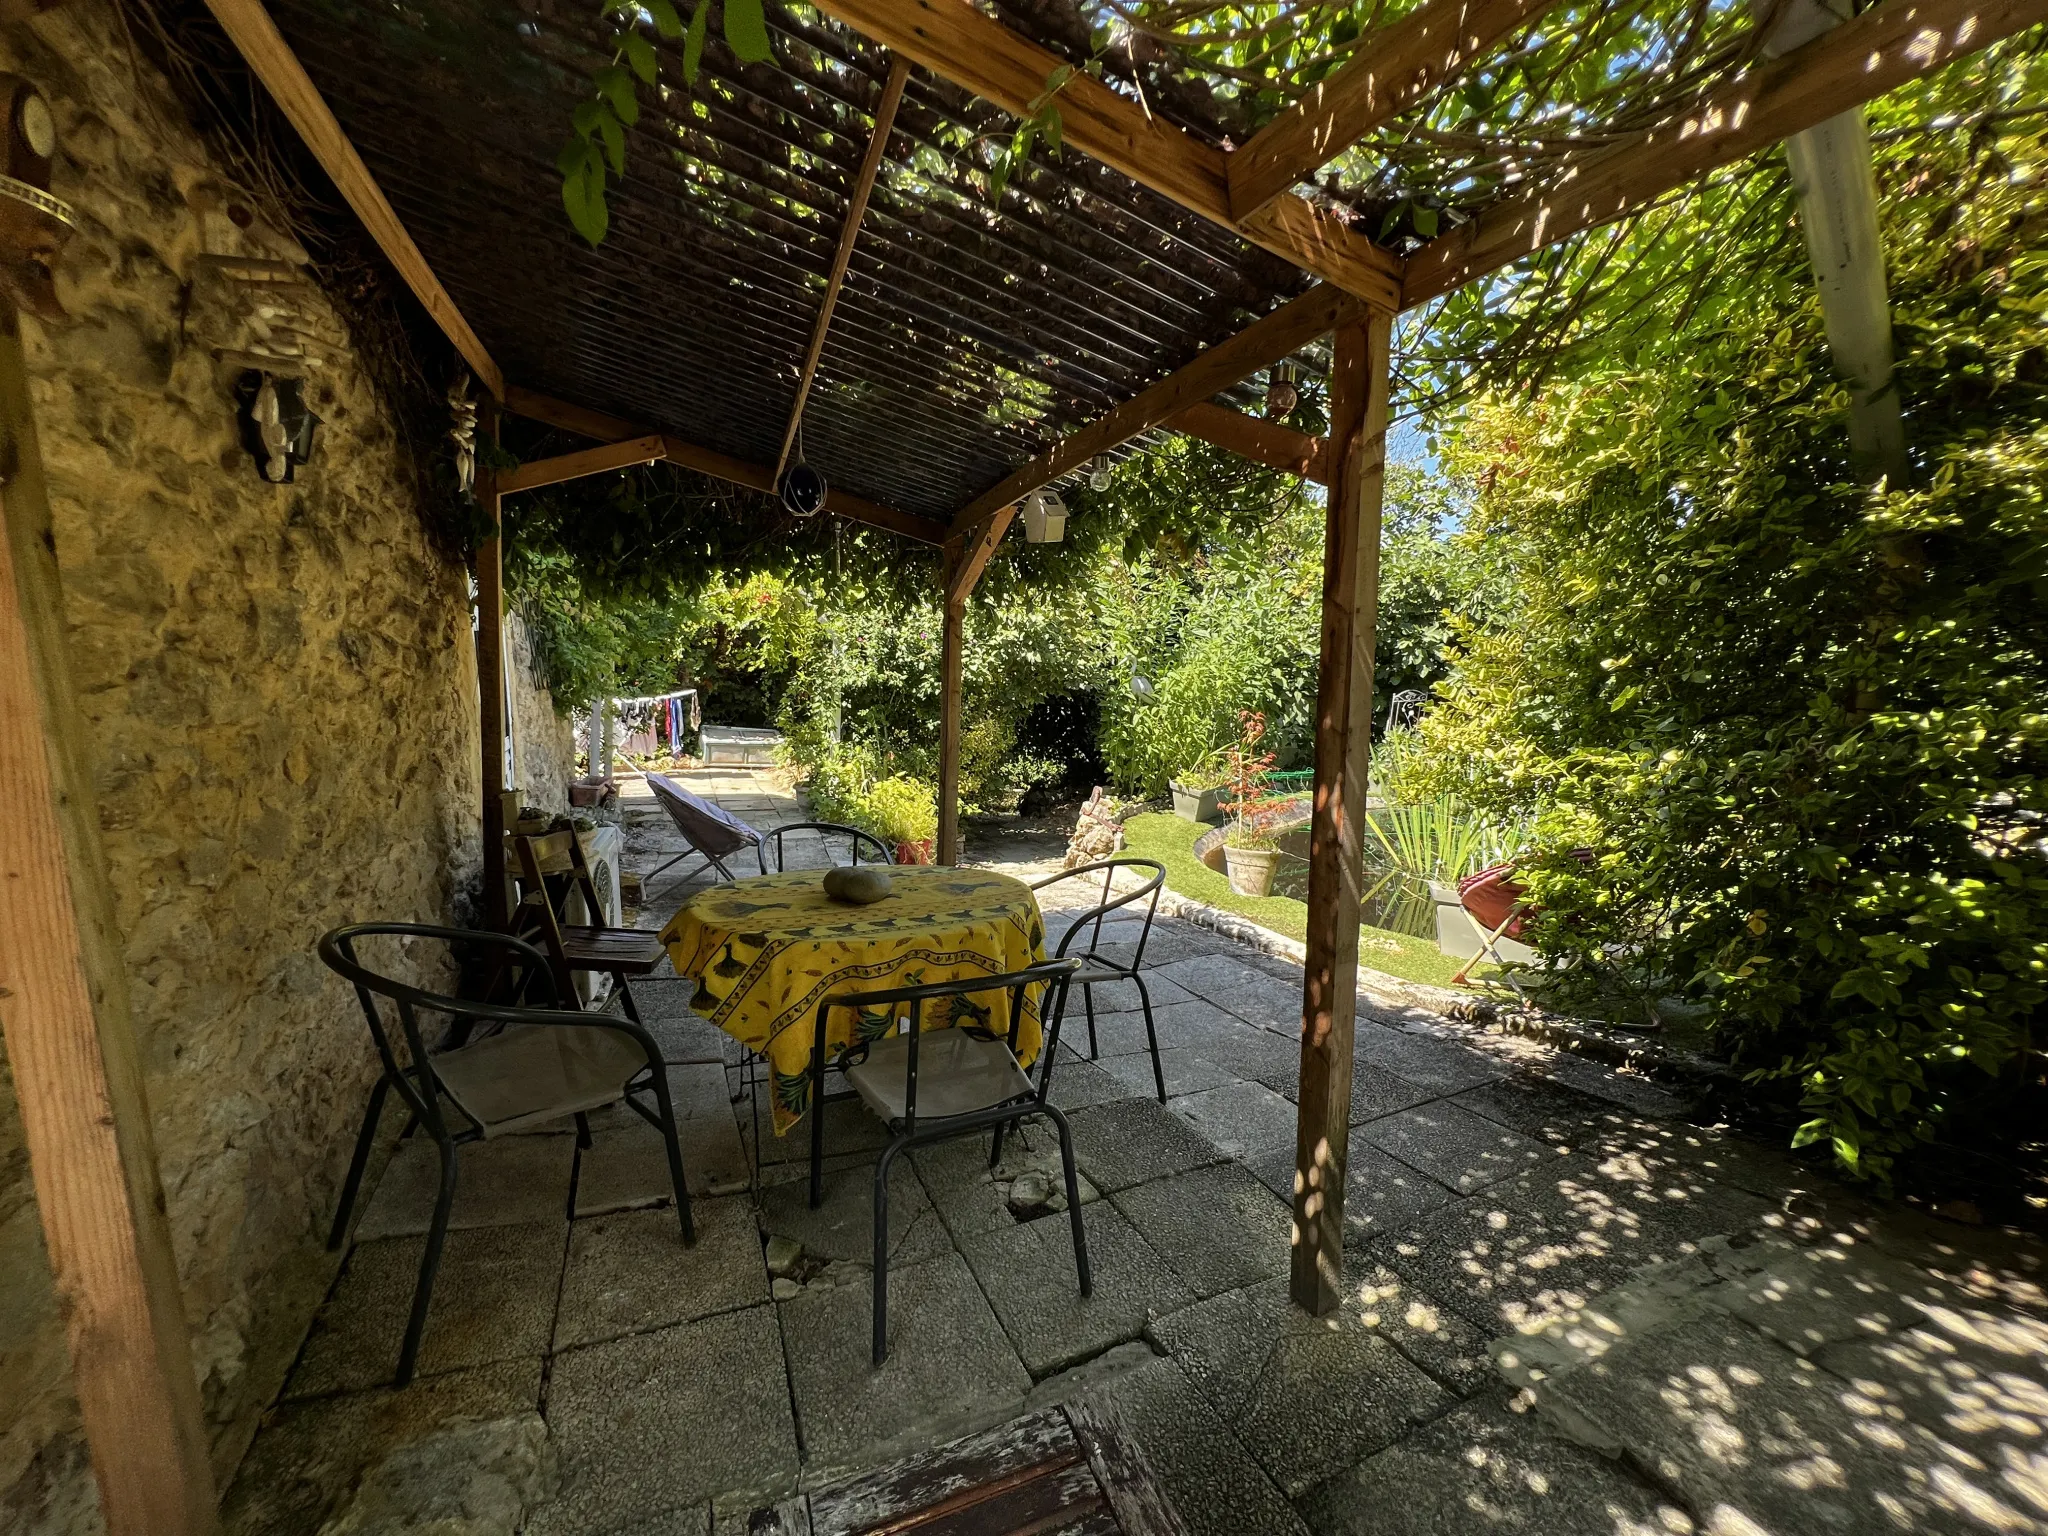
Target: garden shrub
[1795,724]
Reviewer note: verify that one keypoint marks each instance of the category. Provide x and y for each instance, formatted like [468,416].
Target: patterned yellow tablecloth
[766,951]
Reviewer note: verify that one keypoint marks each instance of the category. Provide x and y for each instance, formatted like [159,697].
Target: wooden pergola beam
[1885,47]
[587,461]
[707,461]
[1263,442]
[272,61]
[856,210]
[973,50]
[1391,70]
[1282,333]
[71,1046]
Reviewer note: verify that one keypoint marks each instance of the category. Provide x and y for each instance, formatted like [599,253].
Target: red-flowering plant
[1249,770]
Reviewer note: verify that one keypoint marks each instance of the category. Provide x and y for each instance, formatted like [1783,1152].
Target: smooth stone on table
[860,884]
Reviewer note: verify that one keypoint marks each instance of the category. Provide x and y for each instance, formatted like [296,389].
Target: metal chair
[954,1081]
[710,830]
[614,952]
[532,1066]
[1096,966]
[856,840]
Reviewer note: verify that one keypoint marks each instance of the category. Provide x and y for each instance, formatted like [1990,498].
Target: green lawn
[1163,836]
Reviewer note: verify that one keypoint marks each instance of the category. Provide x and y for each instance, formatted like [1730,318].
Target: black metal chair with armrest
[1097,966]
[953,1081]
[828,832]
[529,1066]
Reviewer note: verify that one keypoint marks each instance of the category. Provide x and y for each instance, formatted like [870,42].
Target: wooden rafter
[1285,331]
[271,59]
[1390,72]
[1264,442]
[953,39]
[588,461]
[1886,46]
[706,461]
[856,210]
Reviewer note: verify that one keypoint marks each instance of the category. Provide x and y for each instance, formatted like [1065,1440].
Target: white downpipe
[1836,183]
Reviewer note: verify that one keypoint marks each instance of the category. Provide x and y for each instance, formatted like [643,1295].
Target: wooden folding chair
[615,952]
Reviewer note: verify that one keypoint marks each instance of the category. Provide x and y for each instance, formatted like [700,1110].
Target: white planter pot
[1251,869]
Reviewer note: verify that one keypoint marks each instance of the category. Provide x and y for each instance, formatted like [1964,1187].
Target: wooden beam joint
[588,461]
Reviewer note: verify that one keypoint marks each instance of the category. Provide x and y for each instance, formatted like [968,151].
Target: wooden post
[1351,571]
[490,678]
[953,637]
[71,1046]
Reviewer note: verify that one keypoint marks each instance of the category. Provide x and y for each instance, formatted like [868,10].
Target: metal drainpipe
[1836,183]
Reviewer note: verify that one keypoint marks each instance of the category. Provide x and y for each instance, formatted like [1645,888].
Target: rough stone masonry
[280,685]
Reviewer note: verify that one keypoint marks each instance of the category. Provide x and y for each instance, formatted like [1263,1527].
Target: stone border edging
[1615,1048]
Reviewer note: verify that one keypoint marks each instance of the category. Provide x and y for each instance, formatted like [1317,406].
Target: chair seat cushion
[612,949]
[957,1073]
[529,1074]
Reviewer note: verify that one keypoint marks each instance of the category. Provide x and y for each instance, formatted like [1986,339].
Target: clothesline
[655,698]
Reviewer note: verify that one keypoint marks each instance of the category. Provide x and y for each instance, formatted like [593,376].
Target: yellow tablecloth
[766,951]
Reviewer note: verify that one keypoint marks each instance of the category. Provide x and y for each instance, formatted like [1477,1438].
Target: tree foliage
[1785,733]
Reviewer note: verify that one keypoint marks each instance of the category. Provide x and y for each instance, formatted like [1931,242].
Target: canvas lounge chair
[711,832]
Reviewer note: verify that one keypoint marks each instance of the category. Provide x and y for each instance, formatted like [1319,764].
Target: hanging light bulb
[1098,473]
[1281,395]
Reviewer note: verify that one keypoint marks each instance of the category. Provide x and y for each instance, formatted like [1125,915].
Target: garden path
[1569,1308]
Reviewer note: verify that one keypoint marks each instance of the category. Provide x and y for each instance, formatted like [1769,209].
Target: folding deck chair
[1494,902]
[710,831]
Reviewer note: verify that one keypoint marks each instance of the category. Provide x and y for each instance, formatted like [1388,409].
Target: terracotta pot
[914,853]
[1251,869]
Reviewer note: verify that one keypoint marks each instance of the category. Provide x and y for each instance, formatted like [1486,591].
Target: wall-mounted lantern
[1045,517]
[277,424]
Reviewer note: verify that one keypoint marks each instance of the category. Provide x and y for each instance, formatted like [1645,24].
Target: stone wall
[280,688]
[543,742]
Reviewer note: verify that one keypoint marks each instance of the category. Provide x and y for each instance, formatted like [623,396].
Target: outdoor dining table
[766,951]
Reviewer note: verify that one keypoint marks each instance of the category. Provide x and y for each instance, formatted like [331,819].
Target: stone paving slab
[1630,1090]
[1123,1034]
[1309,1397]
[508,1181]
[1501,1269]
[1218,1227]
[1122,996]
[1185,1069]
[1382,1194]
[626,1165]
[848,1128]
[1238,1118]
[1547,1110]
[1483,1468]
[1758,1440]
[1257,1055]
[494,1300]
[843,1225]
[1252,994]
[971,1197]
[1076,1084]
[1028,1275]
[630,1273]
[1443,1066]
[311,1454]
[655,1421]
[1127,1143]
[1216,1485]
[950,1364]
[683,1034]
[1643,1210]
[1454,1146]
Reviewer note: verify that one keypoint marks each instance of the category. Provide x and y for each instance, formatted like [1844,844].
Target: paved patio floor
[1567,1309]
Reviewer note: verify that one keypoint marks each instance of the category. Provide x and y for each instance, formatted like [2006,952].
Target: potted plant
[1250,852]
[1198,787]
[902,811]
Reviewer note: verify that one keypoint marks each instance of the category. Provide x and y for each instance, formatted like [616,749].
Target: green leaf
[666,21]
[746,31]
[1053,127]
[583,200]
[999,175]
[693,44]
[614,142]
[639,56]
[617,86]
[575,155]
[1426,223]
